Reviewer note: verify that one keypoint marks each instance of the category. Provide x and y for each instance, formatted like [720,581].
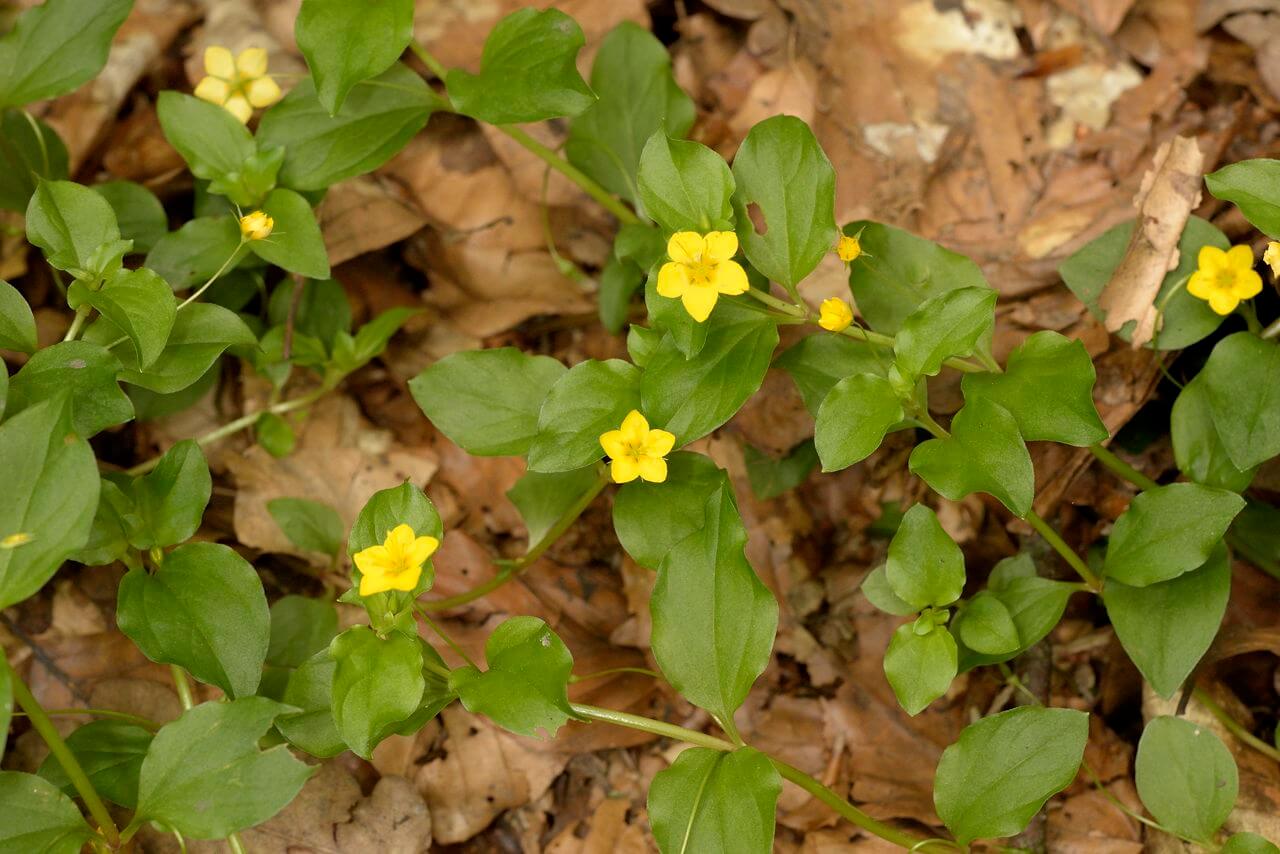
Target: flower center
[701,271]
[1225,279]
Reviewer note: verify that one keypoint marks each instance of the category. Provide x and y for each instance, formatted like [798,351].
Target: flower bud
[256,226]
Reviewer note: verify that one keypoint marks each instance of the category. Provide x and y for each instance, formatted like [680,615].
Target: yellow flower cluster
[397,563]
[700,270]
[1223,279]
[635,450]
[238,83]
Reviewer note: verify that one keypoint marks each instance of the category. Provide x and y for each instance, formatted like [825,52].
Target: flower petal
[1223,302]
[373,560]
[1248,284]
[624,469]
[262,92]
[237,106]
[699,301]
[685,247]
[720,245]
[213,89]
[673,278]
[1240,257]
[371,584]
[399,538]
[406,580]
[659,443]
[731,278]
[1211,259]
[1200,284]
[422,549]
[635,427]
[613,443]
[252,62]
[219,62]
[653,469]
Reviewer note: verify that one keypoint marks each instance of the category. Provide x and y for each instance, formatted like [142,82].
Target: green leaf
[170,500]
[1197,447]
[528,71]
[985,453]
[139,303]
[85,372]
[853,420]
[204,610]
[192,254]
[205,777]
[113,521]
[404,504]
[1035,605]
[1257,536]
[1248,843]
[139,213]
[1168,531]
[71,223]
[771,477]
[642,343]
[1167,627]
[953,323]
[39,819]
[543,499]
[214,143]
[487,401]
[377,119]
[650,518]
[1048,388]
[346,43]
[590,399]
[30,150]
[817,362]
[274,434]
[880,594]
[619,280]
[920,667]
[310,525]
[669,315]
[55,47]
[1253,186]
[370,339]
[322,309]
[685,186]
[6,705]
[17,323]
[715,802]
[1000,772]
[312,729]
[638,97]
[110,753]
[1244,399]
[713,619]
[988,627]
[784,175]
[524,688]
[295,243]
[692,397]
[924,565]
[377,683]
[300,628]
[1186,777]
[1185,319]
[200,334]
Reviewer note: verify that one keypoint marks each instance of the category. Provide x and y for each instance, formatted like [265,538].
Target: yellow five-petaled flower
[1223,279]
[637,451]
[701,268]
[397,563]
[835,315]
[256,225]
[237,83]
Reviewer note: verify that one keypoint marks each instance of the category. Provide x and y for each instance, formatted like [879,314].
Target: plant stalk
[1234,727]
[1121,468]
[1045,530]
[41,723]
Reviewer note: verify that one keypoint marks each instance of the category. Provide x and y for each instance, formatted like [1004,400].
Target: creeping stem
[1045,530]
[1233,726]
[606,199]
[41,724]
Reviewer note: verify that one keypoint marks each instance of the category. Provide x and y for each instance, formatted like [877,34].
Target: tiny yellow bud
[256,226]
[848,248]
[835,315]
[14,540]
[1272,257]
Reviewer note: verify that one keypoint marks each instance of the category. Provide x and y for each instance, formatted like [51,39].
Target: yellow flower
[1272,257]
[835,315]
[256,226]
[637,451]
[700,270]
[14,540]
[849,248]
[397,563]
[239,84]
[1223,279]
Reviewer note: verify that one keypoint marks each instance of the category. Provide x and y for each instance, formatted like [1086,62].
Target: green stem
[515,567]
[1234,727]
[41,724]
[183,686]
[1250,315]
[82,314]
[1121,468]
[773,302]
[200,290]
[926,421]
[241,423]
[1068,554]
[611,671]
[145,723]
[789,772]
[444,636]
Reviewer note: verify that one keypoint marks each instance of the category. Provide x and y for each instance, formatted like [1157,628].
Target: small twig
[286,346]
